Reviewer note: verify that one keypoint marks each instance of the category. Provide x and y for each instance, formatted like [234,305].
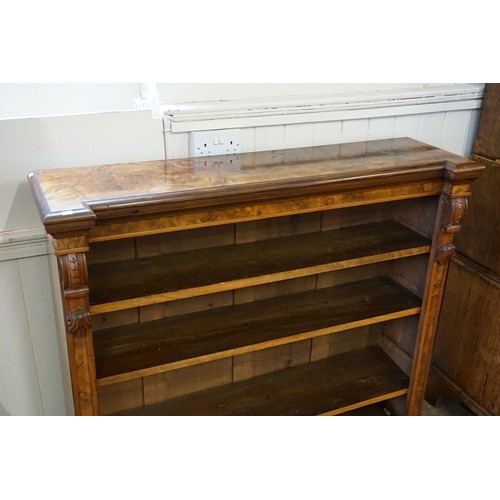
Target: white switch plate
[214,142]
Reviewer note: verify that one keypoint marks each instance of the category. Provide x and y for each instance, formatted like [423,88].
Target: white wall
[67,141]
[47,99]
[32,378]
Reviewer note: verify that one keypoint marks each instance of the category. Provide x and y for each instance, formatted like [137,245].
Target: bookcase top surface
[83,191]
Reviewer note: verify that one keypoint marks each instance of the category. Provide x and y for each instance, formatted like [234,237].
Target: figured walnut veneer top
[86,191]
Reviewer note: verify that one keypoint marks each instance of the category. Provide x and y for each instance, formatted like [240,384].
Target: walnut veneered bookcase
[292,282]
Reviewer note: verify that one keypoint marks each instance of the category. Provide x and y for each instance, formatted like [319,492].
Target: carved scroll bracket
[74,284]
[455,212]
[78,321]
[73,270]
[444,253]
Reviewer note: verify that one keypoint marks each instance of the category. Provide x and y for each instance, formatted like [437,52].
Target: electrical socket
[214,142]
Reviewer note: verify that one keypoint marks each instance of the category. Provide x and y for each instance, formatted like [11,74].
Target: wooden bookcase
[292,282]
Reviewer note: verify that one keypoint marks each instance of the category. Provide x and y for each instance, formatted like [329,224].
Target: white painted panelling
[381,128]
[407,126]
[37,293]
[354,130]
[455,128]
[451,130]
[247,140]
[432,128]
[3,396]
[22,390]
[60,329]
[470,136]
[270,138]
[189,123]
[327,133]
[23,243]
[314,107]
[299,135]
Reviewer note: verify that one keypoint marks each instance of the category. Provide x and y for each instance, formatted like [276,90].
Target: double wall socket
[214,142]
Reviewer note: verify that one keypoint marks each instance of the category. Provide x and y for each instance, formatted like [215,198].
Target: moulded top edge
[62,193]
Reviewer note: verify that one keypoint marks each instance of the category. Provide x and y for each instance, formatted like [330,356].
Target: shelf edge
[367,402]
[259,280]
[155,370]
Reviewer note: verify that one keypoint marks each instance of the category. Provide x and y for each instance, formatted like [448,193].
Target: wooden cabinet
[467,354]
[292,282]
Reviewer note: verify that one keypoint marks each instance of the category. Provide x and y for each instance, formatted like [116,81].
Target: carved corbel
[74,283]
[78,321]
[444,253]
[456,210]
[73,271]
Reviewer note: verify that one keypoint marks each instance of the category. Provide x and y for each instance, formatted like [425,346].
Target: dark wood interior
[330,386]
[230,330]
[248,264]
[295,282]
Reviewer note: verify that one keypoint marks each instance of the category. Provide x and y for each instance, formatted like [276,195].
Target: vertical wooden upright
[452,210]
[373,193]
[75,293]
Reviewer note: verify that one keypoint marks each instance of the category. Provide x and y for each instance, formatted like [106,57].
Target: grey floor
[446,408]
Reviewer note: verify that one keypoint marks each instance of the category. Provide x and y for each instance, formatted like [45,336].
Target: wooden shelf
[134,283]
[328,387]
[88,210]
[142,349]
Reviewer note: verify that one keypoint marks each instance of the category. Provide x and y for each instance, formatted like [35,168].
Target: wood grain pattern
[193,379]
[85,206]
[182,241]
[139,227]
[488,130]
[451,212]
[467,345]
[331,386]
[415,213]
[73,188]
[270,360]
[143,349]
[277,289]
[74,198]
[278,227]
[331,345]
[480,238]
[75,295]
[126,284]
[122,396]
